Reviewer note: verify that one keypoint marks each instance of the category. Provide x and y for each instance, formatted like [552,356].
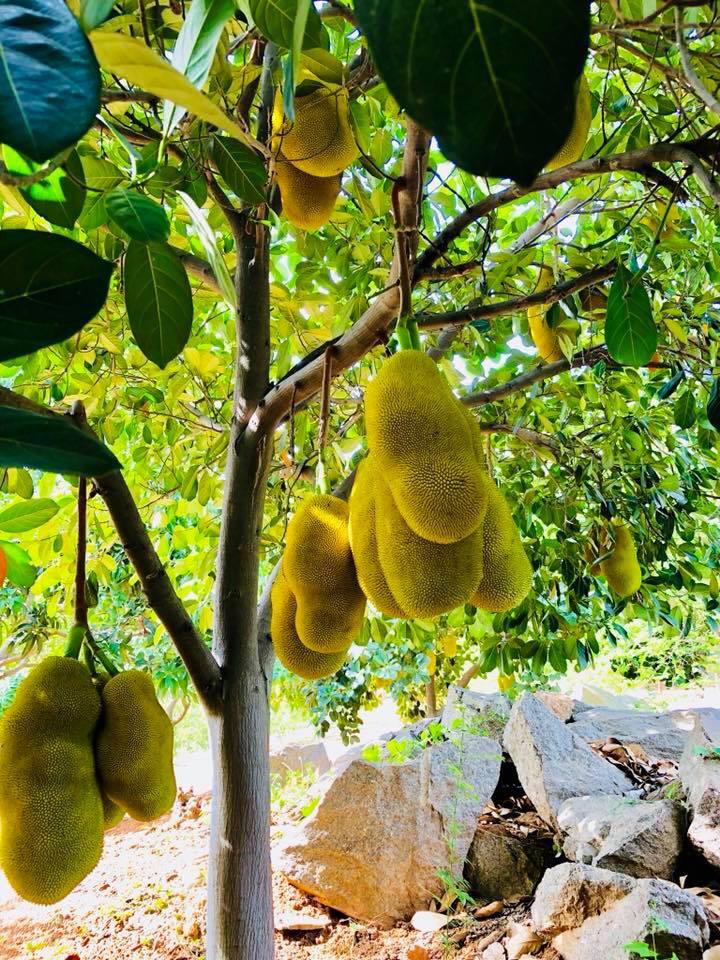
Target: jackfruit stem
[99,654]
[407,334]
[75,641]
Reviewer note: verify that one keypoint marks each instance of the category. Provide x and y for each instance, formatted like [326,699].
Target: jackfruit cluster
[311,154]
[317,603]
[73,760]
[621,569]
[573,147]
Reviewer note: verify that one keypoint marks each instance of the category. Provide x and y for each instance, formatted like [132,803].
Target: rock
[712,954]
[661,735]
[412,731]
[501,866]
[496,951]
[669,920]
[381,832]
[484,714]
[571,893]
[559,704]
[552,763]
[700,776]
[636,837]
[298,756]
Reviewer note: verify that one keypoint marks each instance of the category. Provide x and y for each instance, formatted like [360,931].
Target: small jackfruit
[320,570]
[426,578]
[507,574]
[320,140]
[621,569]
[306,663]
[544,336]
[51,810]
[363,541]
[423,446]
[573,147]
[112,813]
[308,202]
[134,747]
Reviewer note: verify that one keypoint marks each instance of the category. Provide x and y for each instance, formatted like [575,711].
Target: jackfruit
[363,541]
[134,747]
[306,663]
[320,140]
[544,336]
[426,578]
[308,202]
[423,446]
[574,146]
[112,813]
[507,574]
[51,810]
[320,570]
[621,569]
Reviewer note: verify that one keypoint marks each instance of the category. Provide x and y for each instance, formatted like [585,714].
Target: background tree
[221,331]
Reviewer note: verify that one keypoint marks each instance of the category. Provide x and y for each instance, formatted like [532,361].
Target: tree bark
[240,912]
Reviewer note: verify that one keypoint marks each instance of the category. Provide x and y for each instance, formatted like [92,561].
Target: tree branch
[532,437]
[161,596]
[198,268]
[695,82]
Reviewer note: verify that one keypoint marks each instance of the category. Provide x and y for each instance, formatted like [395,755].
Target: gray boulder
[700,776]
[381,833]
[552,763]
[636,837]
[572,892]
[299,756]
[484,714]
[501,866]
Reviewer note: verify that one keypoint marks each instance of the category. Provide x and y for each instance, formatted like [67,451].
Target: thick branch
[200,269]
[484,311]
[201,665]
[696,83]
[532,437]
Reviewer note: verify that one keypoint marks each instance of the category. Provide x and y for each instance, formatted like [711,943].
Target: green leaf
[275,19]
[671,385]
[685,410]
[302,15]
[59,198]
[495,81]
[212,251]
[195,49]
[630,331]
[140,217]
[51,443]
[241,169]
[49,81]
[27,515]
[20,570]
[94,12]
[713,407]
[158,300]
[50,286]
[100,177]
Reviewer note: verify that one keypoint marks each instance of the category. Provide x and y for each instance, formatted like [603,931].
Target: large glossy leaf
[49,78]
[494,81]
[50,286]
[195,49]
[275,19]
[53,444]
[93,12]
[241,169]
[59,198]
[158,300]
[131,59]
[685,410]
[27,515]
[139,216]
[630,331]
[20,569]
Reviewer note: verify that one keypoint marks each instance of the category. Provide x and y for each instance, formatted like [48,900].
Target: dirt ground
[146,901]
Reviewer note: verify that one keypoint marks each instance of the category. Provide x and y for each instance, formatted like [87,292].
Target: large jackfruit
[320,570]
[134,747]
[574,146]
[51,810]
[507,574]
[423,446]
[308,202]
[112,813]
[306,663]
[426,578]
[544,336]
[621,569]
[320,140]
[363,541]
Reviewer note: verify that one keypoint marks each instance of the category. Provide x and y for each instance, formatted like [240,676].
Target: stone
[571,893]
[381,832]
[661,735]
[412,731]
[552,763]
[670,921]
[637,837]
[484,714]
[558,703]
[299,756]
[496,951]
[700,776]
[501,866]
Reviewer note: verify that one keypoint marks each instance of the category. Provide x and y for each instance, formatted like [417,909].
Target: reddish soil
[146,901]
